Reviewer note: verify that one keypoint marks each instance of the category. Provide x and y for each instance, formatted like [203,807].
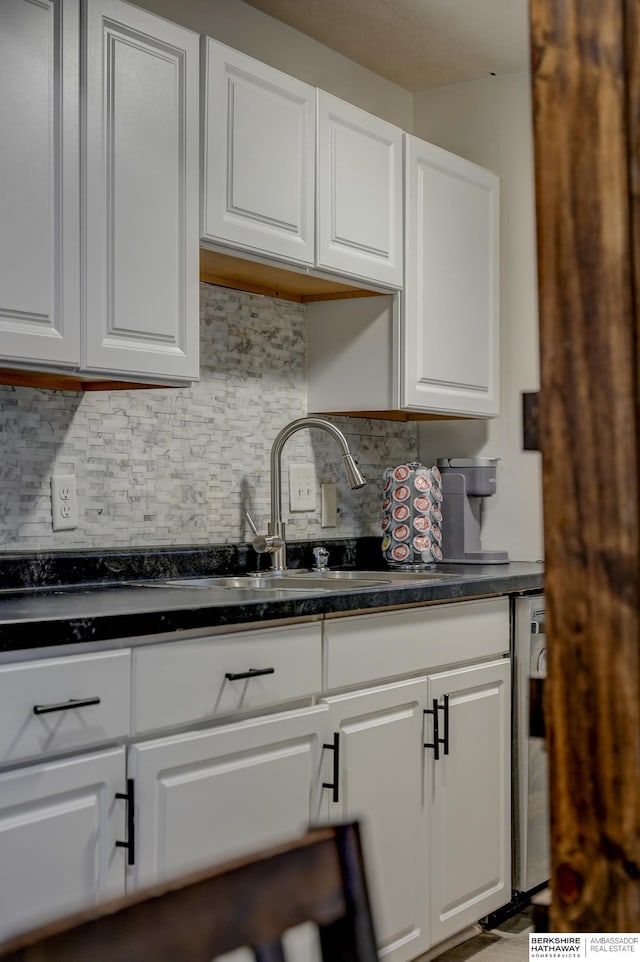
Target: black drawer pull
[250,673]
[437,740]
[64,705]
[130,844]
[335,784]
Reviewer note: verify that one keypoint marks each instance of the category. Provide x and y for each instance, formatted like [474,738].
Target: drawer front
[58,704]
[188,681]
[373,647]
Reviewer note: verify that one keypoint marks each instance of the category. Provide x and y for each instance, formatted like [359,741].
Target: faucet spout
[355,477]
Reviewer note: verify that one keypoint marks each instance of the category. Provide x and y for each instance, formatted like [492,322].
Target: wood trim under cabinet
[254,277]
[69,382]
[396,415]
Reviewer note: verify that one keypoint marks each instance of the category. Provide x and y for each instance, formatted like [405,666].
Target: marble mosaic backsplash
[180,466]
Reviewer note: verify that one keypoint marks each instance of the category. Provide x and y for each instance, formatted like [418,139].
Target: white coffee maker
[465,484]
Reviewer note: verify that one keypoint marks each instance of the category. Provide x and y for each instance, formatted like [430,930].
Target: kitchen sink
[299,582]
[295,580]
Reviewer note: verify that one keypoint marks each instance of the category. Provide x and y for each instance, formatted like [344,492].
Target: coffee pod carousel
[412,516]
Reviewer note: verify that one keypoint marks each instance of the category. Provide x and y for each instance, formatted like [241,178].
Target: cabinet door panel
[142,193]
[58,827]
[359,199]
[39,202]
[470,799]
[451,284]
[217,793]
[381,769]
[259,138]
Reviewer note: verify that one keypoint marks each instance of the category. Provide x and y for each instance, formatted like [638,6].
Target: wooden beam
[586,131]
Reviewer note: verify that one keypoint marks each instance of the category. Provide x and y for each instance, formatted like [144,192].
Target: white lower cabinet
[347,734]
[468,797]
[381,783]
[59,824]
[206,796]
[213,794]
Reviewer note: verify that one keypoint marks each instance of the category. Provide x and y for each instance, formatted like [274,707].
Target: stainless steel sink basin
[389,577]
[308,580]
[300,582]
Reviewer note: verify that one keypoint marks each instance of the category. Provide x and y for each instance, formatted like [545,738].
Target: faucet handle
[321,556]
[263,543]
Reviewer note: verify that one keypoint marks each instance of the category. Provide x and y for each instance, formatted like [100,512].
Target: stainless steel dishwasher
[531,863]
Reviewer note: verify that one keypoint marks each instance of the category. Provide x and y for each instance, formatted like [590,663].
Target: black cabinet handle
[437,741]
[64,705]
[335,784]
[435,744]
[130,844]
[250,673]
[445,740]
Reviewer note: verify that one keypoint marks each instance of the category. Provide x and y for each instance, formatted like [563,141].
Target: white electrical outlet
[64,504]
[302,487]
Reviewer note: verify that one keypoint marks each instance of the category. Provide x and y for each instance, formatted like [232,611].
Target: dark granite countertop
[41,607]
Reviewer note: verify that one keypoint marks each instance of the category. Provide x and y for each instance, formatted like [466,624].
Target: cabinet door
[381,783]
[451,296]
[59,823]
[39,199]
[141,198]
[359,193]
[469,797]
[213,794]
[259,156]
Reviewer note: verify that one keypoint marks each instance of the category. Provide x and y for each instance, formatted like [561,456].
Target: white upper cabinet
[434,348]
[359,193]
[39,199]
[259,156]
[99,262]
[451,297]
[141,197]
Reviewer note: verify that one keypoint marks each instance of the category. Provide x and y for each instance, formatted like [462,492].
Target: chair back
[249,902]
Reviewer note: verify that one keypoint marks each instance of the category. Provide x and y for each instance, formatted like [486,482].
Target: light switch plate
[302,487]
[329,506]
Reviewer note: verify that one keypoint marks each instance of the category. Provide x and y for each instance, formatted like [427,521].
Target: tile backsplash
[181,465]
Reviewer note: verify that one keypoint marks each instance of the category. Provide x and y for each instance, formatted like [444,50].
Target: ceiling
[416,43]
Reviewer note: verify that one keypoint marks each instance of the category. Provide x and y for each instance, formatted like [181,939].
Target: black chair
[250,902]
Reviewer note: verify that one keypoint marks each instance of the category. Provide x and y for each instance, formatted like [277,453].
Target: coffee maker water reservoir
[465,482]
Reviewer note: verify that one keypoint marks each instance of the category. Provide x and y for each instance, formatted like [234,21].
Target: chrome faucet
[274,541]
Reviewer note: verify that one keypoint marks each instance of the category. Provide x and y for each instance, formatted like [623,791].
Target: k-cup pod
[386,521]
[422,483]
[436,493]
[422,523]
[400,552]
[386,504]
[401,532]
[436,552]
[386,542]
[436,514]
[436,533]
[435,474]
[421,543]
[400,493]
[401,473]
[422,505]
[400,512]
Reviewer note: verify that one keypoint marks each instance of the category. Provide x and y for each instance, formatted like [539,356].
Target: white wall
[265,38]
[489,122]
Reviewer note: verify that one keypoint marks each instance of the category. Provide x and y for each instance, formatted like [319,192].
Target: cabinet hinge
[130,844]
